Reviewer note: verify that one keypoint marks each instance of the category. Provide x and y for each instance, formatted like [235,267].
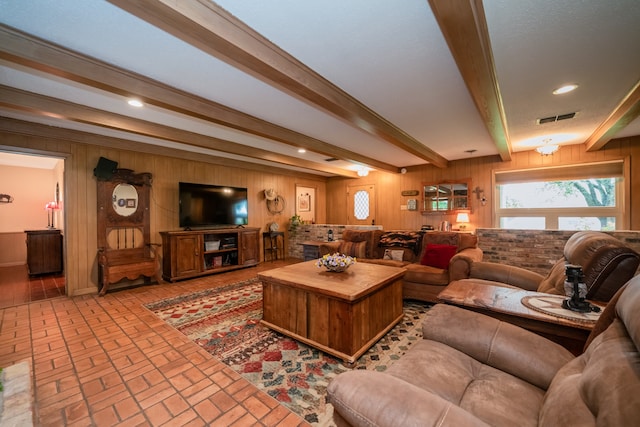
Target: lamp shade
[462,217]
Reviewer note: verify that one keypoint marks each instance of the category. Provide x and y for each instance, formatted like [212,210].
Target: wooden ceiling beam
[20,127]
[626,112]
[32,52]
[210,28]
[464,27]
[33,103]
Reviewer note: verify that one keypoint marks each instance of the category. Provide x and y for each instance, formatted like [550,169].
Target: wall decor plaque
[410,192]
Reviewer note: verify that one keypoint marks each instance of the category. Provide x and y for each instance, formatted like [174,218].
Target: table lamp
[462,219]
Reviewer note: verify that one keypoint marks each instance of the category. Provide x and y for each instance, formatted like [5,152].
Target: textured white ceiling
[391,56]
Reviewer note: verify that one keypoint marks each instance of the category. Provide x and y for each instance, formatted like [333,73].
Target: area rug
[226,322]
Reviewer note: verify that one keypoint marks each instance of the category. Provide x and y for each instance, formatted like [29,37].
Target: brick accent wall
[535,250]
[317,232]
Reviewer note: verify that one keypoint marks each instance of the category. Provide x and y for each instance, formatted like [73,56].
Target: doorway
[34,188]
[361,204]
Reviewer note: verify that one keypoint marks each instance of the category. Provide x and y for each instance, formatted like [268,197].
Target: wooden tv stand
[194,253]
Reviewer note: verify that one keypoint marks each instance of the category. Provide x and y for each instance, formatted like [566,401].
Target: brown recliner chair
[606,262]
[474,370]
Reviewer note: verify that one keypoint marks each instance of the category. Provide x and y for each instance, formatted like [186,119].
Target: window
[361,205]
[579,197]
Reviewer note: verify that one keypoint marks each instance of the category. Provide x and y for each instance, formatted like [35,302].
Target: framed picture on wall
[304,203]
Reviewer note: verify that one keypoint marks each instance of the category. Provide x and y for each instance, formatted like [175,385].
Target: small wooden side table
[506,304]
[273,244]
[311,249]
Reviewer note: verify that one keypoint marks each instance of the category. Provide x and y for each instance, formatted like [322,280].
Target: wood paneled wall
[80,191]
[168,167]
[479,171]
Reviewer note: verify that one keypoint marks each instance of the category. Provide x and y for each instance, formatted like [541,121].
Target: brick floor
[108,361]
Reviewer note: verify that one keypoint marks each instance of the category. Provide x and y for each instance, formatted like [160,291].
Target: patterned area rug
[226,322]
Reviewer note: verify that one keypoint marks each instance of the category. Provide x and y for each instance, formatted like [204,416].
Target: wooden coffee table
[342,314]
[506,304]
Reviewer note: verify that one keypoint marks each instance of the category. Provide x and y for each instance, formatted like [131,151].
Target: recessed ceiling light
[301,150]
[135,103]
[565,89]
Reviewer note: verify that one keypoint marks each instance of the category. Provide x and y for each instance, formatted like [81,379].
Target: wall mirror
[446,196]
[125,199]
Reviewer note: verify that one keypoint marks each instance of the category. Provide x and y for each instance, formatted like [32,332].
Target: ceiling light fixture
[135,103]
[565,89]
[547,149]
[363,172]
[301,150]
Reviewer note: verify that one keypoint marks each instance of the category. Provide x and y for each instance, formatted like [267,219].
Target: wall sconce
[462,219]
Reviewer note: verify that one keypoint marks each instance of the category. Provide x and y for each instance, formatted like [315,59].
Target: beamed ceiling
[373,84]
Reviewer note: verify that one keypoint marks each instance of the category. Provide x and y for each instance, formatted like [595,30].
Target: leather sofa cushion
[494,396]
[419,273]
[506,274]
[610,266]
[600,386]
[467,240]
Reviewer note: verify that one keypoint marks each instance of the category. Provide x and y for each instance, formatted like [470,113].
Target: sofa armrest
[370,398]
[460,264]
[328,248]
[509,274]
[506,347]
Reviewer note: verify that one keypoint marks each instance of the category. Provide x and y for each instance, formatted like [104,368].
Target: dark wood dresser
[44,251]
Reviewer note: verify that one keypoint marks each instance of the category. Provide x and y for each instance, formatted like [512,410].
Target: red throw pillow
[438,255]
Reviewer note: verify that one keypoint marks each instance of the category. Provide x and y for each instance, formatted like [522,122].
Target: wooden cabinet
[44,251]
[187,258]
[188,254]
[250,247]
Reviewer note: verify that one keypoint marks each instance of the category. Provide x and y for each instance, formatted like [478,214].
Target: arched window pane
[361,205]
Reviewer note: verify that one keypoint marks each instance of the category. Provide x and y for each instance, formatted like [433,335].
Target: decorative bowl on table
[335,262]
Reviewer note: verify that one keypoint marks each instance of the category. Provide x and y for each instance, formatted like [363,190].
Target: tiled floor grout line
[95,336]
[111,361]
[167,380]
[184,339]
[68,351]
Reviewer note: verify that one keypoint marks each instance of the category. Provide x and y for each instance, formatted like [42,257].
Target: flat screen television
[206,205]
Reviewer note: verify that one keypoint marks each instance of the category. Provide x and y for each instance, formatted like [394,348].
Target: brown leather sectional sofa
[421,282]
[474,370]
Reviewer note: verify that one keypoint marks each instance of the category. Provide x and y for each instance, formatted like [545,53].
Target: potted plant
[294,222]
